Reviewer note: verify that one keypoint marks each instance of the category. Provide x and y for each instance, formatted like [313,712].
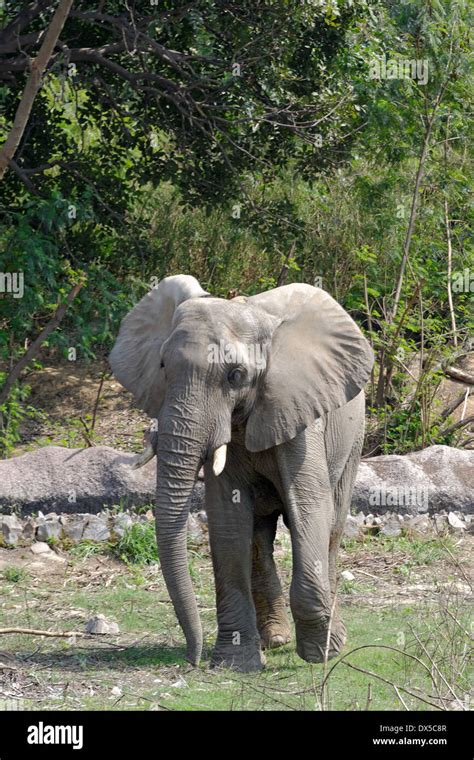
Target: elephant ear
[318,361]
[135,357]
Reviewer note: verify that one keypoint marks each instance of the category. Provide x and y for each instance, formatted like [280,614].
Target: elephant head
[273,363]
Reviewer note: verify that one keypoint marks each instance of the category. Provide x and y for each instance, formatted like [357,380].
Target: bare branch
[460,375]
[36,632]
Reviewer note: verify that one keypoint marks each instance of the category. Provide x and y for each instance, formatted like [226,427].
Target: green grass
[137,545]
[418,549]
[400,641]
[86,549]
[152,673]
[15,574]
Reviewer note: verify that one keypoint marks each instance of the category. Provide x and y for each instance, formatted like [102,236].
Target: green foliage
[12,412]
[132,190]
[138,545]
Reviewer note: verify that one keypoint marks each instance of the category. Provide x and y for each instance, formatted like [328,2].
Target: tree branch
[457,426]
[21,21]
[33,84]
[36,632]
[454,405]
[460,375]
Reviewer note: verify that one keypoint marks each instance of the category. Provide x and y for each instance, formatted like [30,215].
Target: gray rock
[121,523]
[39,547]
[347,575]
[202,517]
[50,528]
[29,531]
[85,480]
[352,527]
[434,479]
[11,529]
[419,524]
[74,526]
[198,497]
[440,523]
[391,527]
[79,480]
[455,522]
[96,529]
[100,625]
[179,684]
[387,516]
[195,531]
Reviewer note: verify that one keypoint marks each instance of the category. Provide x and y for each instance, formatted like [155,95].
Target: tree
[34,83]
[197,92]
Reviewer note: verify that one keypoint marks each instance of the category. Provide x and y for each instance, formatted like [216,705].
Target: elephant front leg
[320,632]
[272,618]
[230,511]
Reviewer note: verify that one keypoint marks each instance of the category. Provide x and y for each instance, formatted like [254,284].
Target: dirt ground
[407,601]
[398,590]
[65,394]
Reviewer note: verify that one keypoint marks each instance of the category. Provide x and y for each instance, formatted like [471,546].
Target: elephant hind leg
[342,503]
[272,618]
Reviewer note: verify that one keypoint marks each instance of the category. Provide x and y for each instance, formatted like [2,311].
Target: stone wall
[439,478]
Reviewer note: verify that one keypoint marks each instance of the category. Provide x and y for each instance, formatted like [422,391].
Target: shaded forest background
[247,144]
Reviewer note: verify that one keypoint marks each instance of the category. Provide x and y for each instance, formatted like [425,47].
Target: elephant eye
[235,376]
[162,364]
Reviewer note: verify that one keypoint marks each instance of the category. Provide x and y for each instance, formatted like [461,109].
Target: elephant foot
[244,658]
[272,620]
[274,635]
[311,642]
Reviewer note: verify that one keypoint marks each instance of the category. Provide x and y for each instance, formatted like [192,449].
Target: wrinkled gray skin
[293,422]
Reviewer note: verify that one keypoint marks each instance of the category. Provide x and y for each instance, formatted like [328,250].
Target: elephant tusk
[218,462]
[144,457]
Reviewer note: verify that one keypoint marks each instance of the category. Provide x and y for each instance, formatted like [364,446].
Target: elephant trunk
[178,462]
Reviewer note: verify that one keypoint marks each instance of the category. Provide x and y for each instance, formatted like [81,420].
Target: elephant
[266,393]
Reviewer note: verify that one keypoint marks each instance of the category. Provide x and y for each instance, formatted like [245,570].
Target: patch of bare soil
[398,577]
[58,564]
[72,398]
